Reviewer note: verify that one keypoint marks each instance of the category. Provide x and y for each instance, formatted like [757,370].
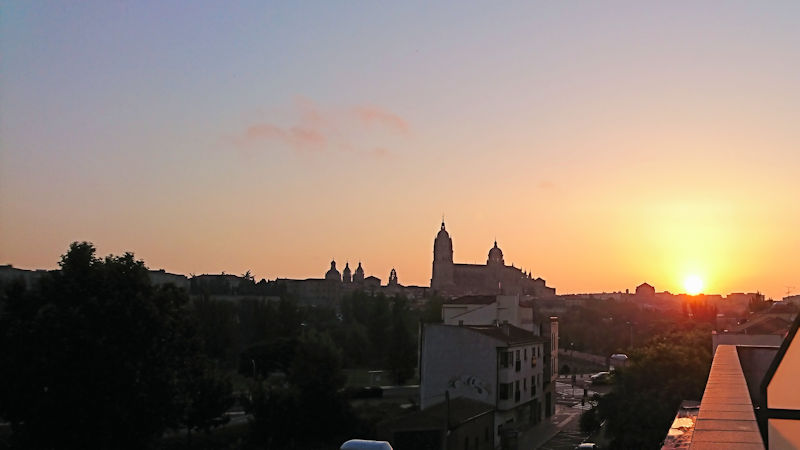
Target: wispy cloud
[314,128]
[371,116]
[298,138]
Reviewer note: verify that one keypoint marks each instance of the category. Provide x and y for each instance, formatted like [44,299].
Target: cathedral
[453,280]
[335,285]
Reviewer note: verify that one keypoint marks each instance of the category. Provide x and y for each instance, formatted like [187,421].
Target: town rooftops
[472,300]
[764,324]
[507,333]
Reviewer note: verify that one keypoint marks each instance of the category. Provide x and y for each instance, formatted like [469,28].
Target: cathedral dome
[495,255]
[333,274]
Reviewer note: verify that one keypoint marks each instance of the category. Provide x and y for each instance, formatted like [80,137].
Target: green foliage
[96,357]
[282,411]
[433,310]
[370,326]
[604,327]
[402,357]
[646,394]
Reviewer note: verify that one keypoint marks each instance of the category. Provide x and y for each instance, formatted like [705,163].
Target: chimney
[506,328]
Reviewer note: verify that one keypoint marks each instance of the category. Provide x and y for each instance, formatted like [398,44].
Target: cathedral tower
[358,277]
[442,276]
[346,278]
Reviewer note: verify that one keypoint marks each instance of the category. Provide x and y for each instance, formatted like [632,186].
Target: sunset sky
[603,144]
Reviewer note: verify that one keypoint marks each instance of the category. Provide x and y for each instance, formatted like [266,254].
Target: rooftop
[472,300]
[507,333]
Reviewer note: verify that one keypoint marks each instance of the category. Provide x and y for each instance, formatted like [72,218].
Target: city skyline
[602,147]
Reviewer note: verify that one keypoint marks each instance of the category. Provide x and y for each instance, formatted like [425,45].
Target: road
[567,417]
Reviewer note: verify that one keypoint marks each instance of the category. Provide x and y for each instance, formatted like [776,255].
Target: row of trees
[259,337]
[96,357]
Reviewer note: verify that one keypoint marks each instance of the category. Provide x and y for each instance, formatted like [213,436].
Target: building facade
[505,367]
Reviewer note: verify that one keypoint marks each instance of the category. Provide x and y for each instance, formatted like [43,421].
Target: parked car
[600,378]
[360,444]
[587,446]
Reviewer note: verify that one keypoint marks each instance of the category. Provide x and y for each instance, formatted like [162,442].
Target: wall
[444,366]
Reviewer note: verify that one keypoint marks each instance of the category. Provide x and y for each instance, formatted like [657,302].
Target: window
[504,392]
[526,353]
[504,359]
[516,391]
[524,384]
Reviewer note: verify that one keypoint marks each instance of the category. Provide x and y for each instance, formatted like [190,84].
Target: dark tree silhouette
[96,357]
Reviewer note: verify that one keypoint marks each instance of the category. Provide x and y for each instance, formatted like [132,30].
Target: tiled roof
[763,324]
[509,334]
[472,300]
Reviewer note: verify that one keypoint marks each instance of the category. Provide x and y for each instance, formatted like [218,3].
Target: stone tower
[358,277]
[346,278]
[442,276]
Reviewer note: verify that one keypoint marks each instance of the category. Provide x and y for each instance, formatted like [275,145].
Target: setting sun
[693,285]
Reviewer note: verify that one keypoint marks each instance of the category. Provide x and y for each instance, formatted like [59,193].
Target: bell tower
[442,276]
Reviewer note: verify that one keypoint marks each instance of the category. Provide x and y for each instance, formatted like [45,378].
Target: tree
[96,357]
[402,355]
[646,394]
[282,411]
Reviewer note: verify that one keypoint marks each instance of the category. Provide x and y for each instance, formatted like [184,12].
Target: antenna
[789,290]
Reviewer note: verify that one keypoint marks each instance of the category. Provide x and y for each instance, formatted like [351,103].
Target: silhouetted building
[346,277]
[644,290]
[451,279]
[333,274]
[330,289]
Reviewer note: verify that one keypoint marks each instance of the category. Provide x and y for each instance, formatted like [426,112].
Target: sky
[603,144]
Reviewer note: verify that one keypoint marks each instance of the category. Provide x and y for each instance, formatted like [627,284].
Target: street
[567,417]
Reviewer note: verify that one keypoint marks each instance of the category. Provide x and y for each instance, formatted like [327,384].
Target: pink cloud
[298,138]
[265,131]
[313,128]
[310,114]
[307,138]
[370,115]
